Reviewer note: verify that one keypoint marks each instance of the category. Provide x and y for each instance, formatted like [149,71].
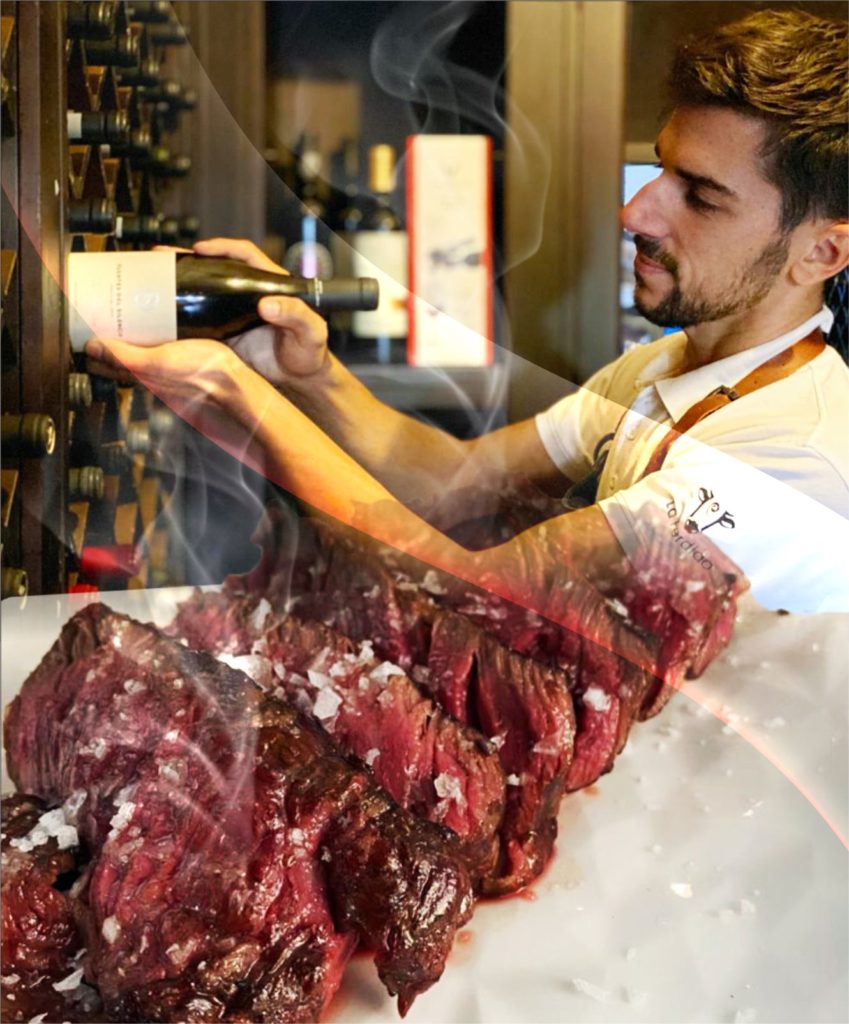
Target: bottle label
[131,296]
[382,254]
[75,125]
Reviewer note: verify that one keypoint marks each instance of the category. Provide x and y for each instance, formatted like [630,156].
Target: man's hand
[294,345]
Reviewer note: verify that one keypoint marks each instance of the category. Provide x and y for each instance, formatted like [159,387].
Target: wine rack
[90,115]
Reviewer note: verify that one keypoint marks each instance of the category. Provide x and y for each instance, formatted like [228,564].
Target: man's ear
[826,253]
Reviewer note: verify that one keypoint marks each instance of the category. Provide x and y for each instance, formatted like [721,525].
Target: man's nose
[642,215]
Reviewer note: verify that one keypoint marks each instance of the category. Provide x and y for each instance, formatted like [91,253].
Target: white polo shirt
[766,477]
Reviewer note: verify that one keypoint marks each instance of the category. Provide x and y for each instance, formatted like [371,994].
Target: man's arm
[445,480]
[210,387]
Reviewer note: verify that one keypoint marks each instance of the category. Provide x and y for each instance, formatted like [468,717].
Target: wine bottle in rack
[172,34]
[380,250]
[139,229]
[149,11]
[346,213]
[91,216]
[161,296]
[147,73]
[178,166]
[88,20]
[121,51]
[136,148]
[13,582]
[310,255]
[28,435]
[80,394]
[85,483]
[94,128]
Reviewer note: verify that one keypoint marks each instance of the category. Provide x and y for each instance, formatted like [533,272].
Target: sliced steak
[526,709]
[42,946]
[215,814]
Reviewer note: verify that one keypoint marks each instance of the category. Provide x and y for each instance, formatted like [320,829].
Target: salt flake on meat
[371,756]
[326,704]
[319,680]
[134,686]
[448,788]
[110,929]
[119,820]
[69,983]
[38,1019]
[384,671]
[596,698]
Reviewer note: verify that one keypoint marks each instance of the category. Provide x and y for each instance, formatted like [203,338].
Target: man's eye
[695,202]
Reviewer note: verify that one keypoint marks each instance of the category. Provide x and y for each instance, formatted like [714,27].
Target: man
[735,239]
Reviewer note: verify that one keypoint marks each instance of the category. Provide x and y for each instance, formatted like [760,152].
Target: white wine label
[75,125]
[131,296]
[382,254]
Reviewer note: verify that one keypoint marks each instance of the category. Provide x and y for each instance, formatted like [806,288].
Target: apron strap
[777,368]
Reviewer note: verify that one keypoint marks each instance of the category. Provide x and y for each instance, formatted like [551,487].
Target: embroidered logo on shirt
[705,510]
[704,514]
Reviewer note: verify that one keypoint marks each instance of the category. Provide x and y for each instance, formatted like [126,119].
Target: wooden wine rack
[46,73]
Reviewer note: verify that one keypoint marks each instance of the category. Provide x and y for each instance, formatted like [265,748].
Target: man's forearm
[421,465]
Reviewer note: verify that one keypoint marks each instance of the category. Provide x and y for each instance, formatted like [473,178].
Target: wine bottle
[160,296]
[380,249]
[150,11]
[92,128]
[174,167]
[310,255]
[140,228]
[91,216]
[80,394]
[85,482]
[28,435]
[122,51]
[137,146]
[346,217]
[147,73]
[13,582]
[170,34]
[86,20]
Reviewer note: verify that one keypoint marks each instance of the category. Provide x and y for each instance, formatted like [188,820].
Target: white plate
[705,879]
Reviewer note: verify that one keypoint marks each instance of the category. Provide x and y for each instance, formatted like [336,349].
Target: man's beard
[679,310]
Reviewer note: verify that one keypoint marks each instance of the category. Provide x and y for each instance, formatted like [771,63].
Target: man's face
[707,229]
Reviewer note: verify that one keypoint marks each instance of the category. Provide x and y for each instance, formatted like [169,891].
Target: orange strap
[780,366]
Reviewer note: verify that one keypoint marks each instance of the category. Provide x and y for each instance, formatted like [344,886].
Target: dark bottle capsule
[28,435]
[172,34]
[217,298]
[140,228]
[137,147]
[147,73]
[85,482]
[96,127]
[91,216]
[122,51]
[150,11]
[80,395]
[90,20]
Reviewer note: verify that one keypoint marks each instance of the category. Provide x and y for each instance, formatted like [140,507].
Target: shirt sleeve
[571,428]
[793,548]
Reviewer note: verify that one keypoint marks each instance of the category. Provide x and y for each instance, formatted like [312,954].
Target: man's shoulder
[637,367]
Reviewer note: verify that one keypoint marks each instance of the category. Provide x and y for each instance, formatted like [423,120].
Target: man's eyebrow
[700,180]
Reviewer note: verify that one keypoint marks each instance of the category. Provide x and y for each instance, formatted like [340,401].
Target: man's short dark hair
[788,69]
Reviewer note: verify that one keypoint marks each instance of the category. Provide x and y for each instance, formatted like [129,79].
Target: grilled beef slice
[234,851]
[41,942]
[429,763]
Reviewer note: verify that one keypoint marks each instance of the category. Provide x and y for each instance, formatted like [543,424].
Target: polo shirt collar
[681,393]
